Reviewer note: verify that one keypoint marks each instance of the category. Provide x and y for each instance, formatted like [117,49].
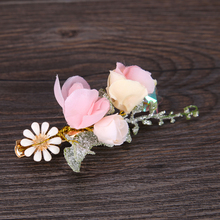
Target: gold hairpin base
[19,150]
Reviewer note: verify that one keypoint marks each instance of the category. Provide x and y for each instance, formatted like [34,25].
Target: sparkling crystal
[149,98]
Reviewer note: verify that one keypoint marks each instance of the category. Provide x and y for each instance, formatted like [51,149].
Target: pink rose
[127,86]
[82,107]
[112,129]
[135,73]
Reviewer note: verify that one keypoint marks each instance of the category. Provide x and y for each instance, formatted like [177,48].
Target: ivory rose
[111,130]
[82,107]
[127,86]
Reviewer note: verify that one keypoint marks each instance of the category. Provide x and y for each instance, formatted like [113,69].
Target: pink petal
[100,109]
[119,68]
[122,126]
[106,130]
[135,73]
[74,87]
[78,104]
[104,122]
[58,93]
[69,83]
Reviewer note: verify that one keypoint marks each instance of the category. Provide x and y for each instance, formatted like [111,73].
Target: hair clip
[98,117]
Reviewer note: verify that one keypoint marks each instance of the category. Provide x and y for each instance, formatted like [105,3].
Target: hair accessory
[98,117]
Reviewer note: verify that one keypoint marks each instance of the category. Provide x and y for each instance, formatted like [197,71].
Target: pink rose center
[74,87]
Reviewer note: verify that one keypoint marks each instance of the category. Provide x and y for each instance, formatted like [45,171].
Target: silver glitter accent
[82,144]
[172,120]
[128,137]
[159,116]
[195,114]
[160,122]
[135,129]
[147,122]
[186,110]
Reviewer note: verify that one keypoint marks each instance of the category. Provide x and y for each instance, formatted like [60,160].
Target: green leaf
[75,154]
[82,144]
[128,137]
[69,156]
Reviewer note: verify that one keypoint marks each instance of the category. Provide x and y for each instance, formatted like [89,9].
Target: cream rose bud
[127,86]
[112,130]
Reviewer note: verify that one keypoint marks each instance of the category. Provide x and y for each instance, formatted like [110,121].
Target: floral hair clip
[98,117]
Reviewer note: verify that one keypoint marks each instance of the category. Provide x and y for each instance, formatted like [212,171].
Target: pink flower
[112,129]
[82,107]
[127,86]
[135,73]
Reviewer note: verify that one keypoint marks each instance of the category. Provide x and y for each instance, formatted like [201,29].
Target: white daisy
[41,141]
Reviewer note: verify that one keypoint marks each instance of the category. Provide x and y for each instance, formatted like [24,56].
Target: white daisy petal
[36,128]
[53,131]
[27,133]
[38,156]
[47,156]
[56,140]
[54,149]
[29,151]
[26,142]
[44,127]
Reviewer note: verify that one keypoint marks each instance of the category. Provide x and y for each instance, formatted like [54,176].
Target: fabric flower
[82,107]
[127,86]
[112,129]
[40,141]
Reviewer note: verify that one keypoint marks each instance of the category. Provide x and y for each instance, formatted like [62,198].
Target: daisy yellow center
[41,142]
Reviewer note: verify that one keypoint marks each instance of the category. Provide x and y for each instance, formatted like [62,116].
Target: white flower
[41,141]
[112,129]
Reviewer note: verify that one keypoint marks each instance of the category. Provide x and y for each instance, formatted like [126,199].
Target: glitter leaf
[82,144]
